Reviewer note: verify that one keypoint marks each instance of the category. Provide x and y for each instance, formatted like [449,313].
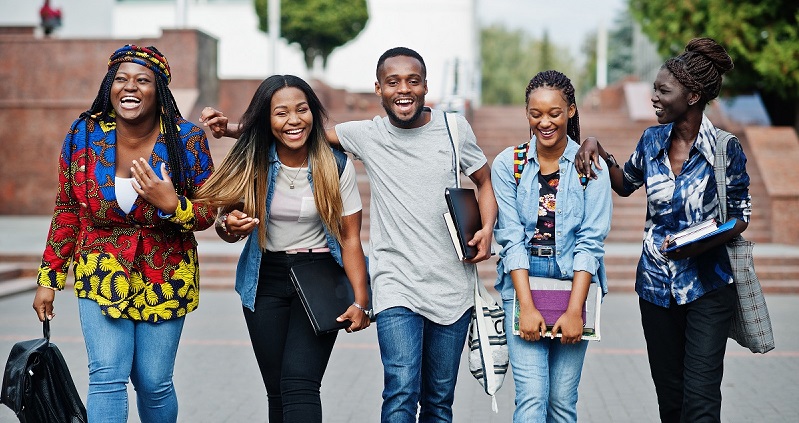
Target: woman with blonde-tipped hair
[296,201]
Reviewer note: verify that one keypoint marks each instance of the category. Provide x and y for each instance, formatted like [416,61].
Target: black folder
[465,214]
[325,292]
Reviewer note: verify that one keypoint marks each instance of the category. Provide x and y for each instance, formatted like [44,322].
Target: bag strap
[46,329]
[520,159]
[481,298]
[452,131]
[720,171]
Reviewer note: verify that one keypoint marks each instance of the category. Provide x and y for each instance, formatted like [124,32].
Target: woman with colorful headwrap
[687,296]
[123,218]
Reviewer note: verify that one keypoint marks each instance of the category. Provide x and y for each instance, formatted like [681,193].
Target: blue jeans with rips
[420,365]
[546,373]
[122,349]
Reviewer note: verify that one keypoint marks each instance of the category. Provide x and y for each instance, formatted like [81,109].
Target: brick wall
[45,83]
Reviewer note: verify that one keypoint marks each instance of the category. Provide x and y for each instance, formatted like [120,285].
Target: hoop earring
[531,132]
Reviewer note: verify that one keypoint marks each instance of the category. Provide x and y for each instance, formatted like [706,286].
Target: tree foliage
[620,48]
[318,26]
[511,58]
[762,36]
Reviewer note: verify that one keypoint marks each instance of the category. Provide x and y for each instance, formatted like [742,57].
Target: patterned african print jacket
[140,265]
[675,202]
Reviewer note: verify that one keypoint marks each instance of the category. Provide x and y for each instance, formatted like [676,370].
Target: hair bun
[713,51]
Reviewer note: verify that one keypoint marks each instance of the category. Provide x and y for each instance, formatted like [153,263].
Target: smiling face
[133,93]
[402,87]
[291,119]
[670,98]
[548,113]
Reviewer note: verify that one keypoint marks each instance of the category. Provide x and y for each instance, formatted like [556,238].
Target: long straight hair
[242,177]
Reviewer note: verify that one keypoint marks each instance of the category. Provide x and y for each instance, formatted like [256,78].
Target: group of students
[136,180]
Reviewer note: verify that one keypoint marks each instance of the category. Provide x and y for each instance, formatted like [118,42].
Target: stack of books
[698,232]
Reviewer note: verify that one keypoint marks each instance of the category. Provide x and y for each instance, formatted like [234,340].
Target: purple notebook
[552,304]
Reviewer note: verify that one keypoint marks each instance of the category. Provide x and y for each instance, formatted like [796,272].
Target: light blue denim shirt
[582,217]
[250,260]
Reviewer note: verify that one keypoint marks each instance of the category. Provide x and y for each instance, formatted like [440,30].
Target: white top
[294,221]
[125,193]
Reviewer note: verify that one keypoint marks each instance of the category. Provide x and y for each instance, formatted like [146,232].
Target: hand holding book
[700,232]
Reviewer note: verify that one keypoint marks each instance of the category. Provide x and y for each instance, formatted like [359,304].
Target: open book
[698,232]
[551,298]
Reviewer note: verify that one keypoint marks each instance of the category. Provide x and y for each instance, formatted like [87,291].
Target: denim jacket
[250,260]
[582,218]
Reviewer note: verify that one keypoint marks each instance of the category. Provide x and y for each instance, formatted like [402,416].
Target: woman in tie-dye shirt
[686,297]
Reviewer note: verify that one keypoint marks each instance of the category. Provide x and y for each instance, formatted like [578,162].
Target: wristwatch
[611,161]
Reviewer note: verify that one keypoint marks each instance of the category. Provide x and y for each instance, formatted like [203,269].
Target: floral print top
[547,195]
[141,265]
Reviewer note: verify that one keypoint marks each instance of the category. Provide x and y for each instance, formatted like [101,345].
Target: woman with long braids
[123,219]
[687,297]
[550,224]
[296,201]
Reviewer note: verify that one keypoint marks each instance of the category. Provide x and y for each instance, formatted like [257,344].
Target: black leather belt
[542,250]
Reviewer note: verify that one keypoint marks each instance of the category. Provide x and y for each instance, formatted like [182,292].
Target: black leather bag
[37,384]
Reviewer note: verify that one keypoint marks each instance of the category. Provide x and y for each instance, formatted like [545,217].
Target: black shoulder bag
[37,384]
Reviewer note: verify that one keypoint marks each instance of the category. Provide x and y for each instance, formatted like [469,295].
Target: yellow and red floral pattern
[138,265]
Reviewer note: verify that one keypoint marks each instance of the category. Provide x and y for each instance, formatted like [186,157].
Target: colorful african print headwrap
[148,57]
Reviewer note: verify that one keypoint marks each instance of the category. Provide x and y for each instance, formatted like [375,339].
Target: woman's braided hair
[167,107]
[700,67]
[559,81]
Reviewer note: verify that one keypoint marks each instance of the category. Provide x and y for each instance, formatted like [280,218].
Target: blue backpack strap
[519,160]
[341,160]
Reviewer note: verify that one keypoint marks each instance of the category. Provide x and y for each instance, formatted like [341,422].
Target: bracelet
[611,161]
[368,313]
[223,221]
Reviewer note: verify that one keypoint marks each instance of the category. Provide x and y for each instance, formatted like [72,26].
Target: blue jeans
[420,365]
[122,349]
[546,373]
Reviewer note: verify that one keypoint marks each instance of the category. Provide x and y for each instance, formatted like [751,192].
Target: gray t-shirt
[412,261]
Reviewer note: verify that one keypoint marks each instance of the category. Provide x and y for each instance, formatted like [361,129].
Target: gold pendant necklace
[291,183]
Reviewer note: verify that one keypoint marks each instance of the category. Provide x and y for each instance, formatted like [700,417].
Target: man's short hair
[400,51]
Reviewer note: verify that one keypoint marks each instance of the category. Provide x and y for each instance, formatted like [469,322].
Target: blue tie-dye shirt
[677,202]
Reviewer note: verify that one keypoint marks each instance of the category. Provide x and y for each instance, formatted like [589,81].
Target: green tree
[620,48]
[546,52]
[510,59]
[588,72]
[318,26]
[762,36]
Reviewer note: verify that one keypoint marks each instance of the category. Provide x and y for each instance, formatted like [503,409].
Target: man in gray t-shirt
[422,294]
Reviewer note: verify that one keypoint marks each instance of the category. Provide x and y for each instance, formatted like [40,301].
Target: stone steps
[777,268]
[496,128]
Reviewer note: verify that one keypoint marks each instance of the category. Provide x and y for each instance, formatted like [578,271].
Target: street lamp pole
[274,31]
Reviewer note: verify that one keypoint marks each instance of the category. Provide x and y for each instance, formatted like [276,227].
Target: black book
[465,216]
[325,292]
